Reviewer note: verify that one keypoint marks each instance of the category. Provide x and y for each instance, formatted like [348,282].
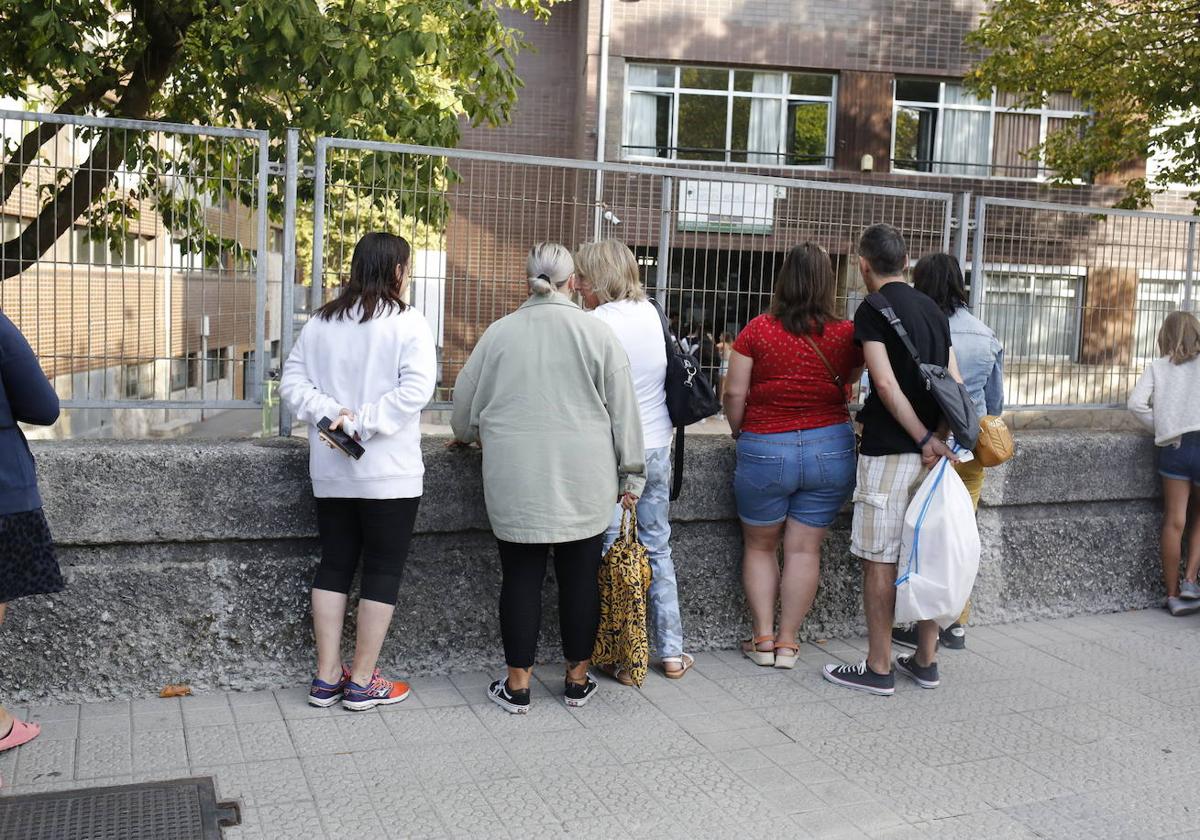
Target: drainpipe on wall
[601,114]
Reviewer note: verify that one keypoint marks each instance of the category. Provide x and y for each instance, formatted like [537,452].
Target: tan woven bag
[995,444]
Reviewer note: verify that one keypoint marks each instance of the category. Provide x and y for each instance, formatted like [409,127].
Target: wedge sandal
[765,658]
[786,655]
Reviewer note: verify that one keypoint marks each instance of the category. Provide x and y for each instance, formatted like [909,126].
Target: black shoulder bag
[950,395]
[690,396]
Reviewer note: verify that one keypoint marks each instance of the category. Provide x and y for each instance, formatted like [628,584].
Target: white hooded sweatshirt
[383,370]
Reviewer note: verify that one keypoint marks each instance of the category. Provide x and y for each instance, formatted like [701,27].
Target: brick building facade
[857,92]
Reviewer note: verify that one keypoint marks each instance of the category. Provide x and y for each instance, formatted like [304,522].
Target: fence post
[287,293]
[1189,268]
[317,293]
[978,274]
[947,224]
[662,275]
[964,229]
[260,291]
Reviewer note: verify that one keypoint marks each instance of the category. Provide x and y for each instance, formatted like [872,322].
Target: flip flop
[22,733]
[684,659]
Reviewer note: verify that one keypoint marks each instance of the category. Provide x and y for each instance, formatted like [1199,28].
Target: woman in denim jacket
[980,359]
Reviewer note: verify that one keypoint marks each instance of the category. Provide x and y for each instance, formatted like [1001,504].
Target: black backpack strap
[884,308]
[670,341]
[677,466]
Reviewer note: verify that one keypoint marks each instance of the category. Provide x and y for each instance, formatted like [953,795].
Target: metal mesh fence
[709,244]
[137,262]
[1077,295]
[137,259]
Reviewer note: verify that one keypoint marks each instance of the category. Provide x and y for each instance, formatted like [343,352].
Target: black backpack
[690,396]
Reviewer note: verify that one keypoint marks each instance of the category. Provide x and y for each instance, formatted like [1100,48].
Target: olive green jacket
[548,395]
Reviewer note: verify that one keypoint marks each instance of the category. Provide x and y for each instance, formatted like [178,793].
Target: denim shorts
[1181,462]
[807,475]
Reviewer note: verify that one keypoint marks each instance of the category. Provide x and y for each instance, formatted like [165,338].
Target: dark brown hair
[939,277]
[373,282]
[804,291]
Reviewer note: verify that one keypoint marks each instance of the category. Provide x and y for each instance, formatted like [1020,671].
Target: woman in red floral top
[785,397]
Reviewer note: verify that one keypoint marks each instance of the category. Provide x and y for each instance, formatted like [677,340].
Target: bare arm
[953,366]
[737,386]
[883,379]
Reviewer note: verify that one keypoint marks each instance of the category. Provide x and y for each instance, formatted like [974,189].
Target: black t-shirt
[929,331]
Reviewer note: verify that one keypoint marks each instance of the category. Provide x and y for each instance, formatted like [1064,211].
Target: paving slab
[1077,727]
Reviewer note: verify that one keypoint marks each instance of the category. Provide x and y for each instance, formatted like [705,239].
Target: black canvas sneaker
[926,677]
[862,678]
[953,637]
[513,702]
[905,636]
[577,694]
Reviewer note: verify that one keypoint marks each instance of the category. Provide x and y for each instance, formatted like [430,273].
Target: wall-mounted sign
[727,206]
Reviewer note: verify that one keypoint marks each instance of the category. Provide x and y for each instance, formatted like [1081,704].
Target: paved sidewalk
[1079,728]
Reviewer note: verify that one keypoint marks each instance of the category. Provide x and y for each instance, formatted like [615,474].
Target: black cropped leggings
[576,566]
[375,531]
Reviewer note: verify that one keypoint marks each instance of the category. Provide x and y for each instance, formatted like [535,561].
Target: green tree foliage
[397,70]
[1134,63]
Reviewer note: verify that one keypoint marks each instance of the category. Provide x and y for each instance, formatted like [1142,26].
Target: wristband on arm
[925,439]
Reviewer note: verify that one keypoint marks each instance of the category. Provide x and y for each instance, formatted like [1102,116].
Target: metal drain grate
[181,809]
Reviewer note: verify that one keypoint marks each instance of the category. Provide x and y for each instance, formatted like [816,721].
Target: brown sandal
[765,658]
[621,676]
[684,660]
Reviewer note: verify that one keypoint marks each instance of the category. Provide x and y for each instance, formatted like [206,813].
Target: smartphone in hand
[339,439]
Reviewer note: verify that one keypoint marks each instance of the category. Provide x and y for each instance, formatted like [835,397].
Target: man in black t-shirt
[900,441]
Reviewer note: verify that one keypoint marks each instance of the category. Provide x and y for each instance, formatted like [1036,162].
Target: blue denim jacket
[980,361]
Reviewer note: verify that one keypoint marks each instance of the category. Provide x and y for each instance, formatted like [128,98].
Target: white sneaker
[1189,591]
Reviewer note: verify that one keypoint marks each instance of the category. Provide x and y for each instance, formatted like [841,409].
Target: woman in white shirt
[606,277]
[366,361]
[1167,401]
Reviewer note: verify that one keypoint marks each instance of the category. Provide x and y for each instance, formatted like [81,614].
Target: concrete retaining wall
[189,562]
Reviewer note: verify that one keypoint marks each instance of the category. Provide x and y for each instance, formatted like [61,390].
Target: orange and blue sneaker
[325,694]
[379,692]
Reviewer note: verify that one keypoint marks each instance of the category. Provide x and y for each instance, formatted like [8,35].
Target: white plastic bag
[939,550]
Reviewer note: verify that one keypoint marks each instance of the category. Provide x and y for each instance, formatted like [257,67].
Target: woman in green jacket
[548,395]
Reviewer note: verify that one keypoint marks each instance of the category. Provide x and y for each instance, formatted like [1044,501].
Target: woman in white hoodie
[366,361]
[1167,400]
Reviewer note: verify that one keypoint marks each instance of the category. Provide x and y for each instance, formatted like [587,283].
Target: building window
[764,118]
[139,381]
[133,251]
[1035,311]
[247,368]
[941,127]
[179,374]
[217,364]
[1159,293]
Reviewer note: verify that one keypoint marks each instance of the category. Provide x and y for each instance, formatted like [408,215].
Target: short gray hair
[548,267]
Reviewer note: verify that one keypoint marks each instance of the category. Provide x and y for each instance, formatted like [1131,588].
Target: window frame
[1033,270]
[786,99]
[992,108]
[1158,276]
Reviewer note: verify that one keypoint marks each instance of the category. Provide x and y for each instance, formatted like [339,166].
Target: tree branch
[41,134]
[96,173]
